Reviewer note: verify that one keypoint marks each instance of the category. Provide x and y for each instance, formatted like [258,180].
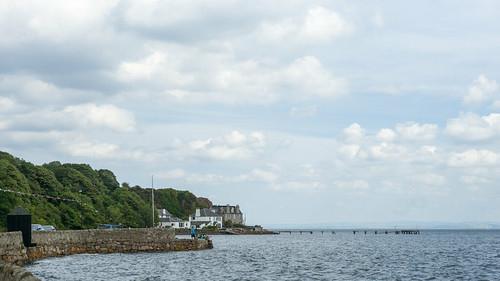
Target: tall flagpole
[153,199]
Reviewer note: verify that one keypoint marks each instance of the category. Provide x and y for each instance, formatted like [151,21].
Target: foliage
[228,223]
[95,196]
[179,203]
[210,228]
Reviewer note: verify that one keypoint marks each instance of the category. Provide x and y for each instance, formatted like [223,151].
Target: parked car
[36,227]
[48,228]
[110,226]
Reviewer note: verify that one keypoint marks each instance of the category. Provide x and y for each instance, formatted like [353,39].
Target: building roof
[167,216]
[207,213]
[167,213]
[171,219]
[223,209]
[198,223]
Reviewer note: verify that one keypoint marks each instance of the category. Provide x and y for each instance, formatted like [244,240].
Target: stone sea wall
[61,243]
[12,249]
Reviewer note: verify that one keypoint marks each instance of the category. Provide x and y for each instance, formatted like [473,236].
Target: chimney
[197,214]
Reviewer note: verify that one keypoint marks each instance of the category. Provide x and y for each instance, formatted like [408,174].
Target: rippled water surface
[433,255]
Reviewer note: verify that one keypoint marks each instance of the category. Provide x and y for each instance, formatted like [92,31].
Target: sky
[302,112]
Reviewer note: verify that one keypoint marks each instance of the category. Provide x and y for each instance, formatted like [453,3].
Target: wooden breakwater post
[410,231]
[354,231]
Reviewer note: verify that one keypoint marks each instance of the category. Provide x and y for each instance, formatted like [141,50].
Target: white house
[205,217]
[167,220]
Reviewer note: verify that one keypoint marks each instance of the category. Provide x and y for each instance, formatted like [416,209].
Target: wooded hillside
[75,196]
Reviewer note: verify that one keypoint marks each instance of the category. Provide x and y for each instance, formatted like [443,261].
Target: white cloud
[350,151]
[82,146]
[158,68]
[496,104]
[235,138]
[378,20]
[31,90]
[354,133]
[319,24]
[161,13]
[308,77]
[417,132]
[108,116]
[472,158]
[323,24]
[91,149]
[173,174]
[386,135]
[427,154]
[69,88]
[352,184]
[6,104]
[306,111]
[383,146]
[298,186]
[4,125]
[384,151]
[474,180]
[57,22]
[71,118]
[233,146]
[267,176]
[471,127]
[309,171]
[481,90]
[226,80]
[429,179]
[263,175]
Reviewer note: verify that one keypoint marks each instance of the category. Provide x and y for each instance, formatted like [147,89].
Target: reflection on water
[433,255]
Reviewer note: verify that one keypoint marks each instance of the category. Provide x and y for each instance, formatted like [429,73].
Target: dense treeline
[98,197]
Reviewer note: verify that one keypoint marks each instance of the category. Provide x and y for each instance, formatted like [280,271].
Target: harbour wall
[12,249]
[61,243]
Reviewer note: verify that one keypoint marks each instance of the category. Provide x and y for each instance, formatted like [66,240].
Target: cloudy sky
[302,112]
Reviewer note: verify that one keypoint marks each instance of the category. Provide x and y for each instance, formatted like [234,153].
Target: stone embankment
[61,243]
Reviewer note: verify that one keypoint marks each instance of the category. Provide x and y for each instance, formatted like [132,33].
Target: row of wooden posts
[404,231]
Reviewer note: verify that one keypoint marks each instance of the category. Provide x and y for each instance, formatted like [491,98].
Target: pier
[354,232]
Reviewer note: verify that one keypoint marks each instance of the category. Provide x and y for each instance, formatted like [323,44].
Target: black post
[20,220]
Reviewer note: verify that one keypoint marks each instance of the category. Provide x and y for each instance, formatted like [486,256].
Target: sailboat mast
[153,200]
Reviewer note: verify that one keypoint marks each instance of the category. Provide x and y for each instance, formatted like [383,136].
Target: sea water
[432,255]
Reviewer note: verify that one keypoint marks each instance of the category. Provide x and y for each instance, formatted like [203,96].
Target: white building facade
[167,220]
[205,217]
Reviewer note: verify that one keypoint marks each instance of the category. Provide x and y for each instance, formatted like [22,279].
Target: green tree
[91,197]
